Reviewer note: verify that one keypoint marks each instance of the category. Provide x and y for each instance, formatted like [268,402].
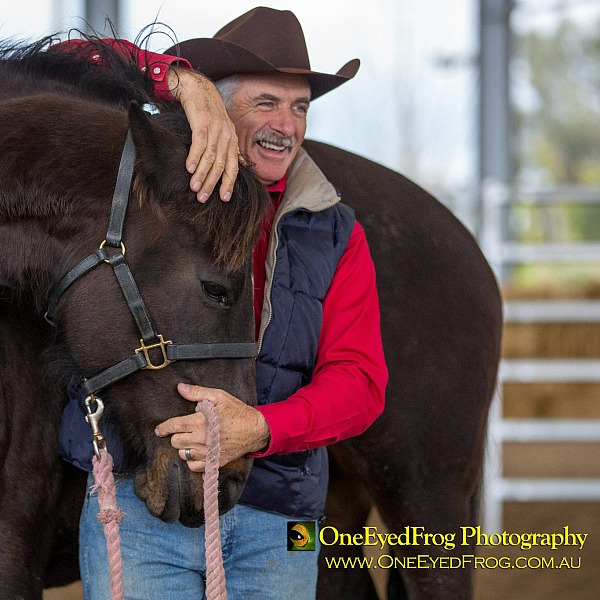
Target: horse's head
[192,266]
[191,262]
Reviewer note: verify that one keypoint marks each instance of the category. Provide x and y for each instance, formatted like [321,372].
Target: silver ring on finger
[188,454]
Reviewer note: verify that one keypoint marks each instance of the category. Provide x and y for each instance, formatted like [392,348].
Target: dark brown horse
[60,156]
[420,463]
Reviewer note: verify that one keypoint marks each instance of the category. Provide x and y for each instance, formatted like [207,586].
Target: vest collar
[307,187]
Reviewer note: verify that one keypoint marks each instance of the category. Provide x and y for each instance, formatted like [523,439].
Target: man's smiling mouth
[273,142]
[271,146]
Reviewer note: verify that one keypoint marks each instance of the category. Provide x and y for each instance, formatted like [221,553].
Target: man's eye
[302,108]
[214,291]
[266,104]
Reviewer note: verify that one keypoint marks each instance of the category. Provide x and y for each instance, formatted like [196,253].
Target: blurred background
[494,107]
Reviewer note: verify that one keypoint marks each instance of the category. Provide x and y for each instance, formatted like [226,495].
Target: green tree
[562,133]
[560,130]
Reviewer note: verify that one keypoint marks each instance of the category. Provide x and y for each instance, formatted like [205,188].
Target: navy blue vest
[309,249]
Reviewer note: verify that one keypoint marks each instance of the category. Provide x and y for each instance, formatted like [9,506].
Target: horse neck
[32,259]
[56,180]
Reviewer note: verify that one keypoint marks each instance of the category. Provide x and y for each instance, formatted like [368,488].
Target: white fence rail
[502,254]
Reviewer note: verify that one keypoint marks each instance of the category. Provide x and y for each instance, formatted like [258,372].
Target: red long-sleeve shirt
[347,391]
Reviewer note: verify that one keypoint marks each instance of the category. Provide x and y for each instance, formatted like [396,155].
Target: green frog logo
[301,535]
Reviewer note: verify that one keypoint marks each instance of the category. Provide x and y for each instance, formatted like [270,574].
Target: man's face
[269,114]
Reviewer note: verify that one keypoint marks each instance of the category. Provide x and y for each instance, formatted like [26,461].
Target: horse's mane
[115,81]
[43,65]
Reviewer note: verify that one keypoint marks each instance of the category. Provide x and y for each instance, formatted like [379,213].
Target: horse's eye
[215,291]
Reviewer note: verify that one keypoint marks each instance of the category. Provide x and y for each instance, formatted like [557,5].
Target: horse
[420,463]
[100,235]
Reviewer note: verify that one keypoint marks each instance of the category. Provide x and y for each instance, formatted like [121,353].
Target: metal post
[496,166]
[496,172]
[100,15]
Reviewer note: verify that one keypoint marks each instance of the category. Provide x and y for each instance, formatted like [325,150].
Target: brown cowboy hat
[263,40]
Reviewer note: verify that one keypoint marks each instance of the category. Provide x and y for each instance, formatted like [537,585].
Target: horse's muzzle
[174,493]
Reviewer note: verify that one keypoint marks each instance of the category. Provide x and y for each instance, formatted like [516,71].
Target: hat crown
[274,35]
[263,40]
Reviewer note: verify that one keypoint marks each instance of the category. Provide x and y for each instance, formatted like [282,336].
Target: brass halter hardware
[122,248]
[162,345]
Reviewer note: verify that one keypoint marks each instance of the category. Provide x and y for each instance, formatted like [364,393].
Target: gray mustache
[266,136]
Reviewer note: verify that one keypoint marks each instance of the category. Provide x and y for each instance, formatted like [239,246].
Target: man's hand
[214,151]
[243,429]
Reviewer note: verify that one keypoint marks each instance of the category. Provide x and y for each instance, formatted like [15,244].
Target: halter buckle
[162,345]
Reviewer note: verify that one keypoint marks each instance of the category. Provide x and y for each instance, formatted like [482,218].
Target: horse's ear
[144,136]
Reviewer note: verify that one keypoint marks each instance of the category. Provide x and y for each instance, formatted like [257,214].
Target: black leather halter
[150,338]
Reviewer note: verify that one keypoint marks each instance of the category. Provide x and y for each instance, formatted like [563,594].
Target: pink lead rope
[215,573]
[110,515]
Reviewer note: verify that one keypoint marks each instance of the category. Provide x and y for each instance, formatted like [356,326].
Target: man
[320,372]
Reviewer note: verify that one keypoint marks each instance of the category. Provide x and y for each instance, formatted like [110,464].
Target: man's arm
[214,151]
[345,396]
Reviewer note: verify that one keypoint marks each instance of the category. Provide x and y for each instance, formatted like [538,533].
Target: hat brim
[218,59]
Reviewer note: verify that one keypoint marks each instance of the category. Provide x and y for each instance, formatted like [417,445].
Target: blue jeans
[165,561]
